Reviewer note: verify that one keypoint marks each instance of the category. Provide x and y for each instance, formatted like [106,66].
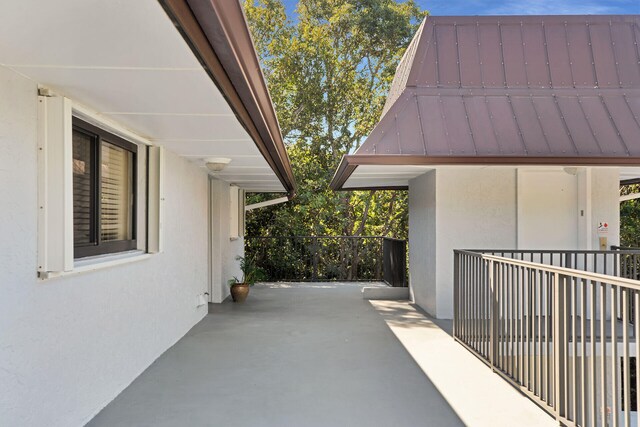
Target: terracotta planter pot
[239,292]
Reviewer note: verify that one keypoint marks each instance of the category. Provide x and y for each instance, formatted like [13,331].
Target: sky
[522,7]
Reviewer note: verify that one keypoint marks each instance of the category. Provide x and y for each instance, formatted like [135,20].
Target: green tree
[630,217]
[328,70]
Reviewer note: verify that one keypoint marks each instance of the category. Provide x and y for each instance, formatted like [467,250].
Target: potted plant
[250,275]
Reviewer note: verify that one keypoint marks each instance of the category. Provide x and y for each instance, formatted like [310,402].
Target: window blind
[116,193]
[83,190]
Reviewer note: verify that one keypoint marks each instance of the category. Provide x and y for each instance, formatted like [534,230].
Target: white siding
[69,345]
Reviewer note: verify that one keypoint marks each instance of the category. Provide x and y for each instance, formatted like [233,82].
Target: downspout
[266,203]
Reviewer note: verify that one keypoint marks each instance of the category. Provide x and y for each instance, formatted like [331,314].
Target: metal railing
[566,337]
[320,258]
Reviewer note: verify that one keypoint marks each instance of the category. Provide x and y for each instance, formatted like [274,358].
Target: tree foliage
[630,217]
[328,69]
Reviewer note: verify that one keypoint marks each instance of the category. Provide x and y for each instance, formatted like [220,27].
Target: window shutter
[55,185]
[241,212]
[155,175]
[234,217]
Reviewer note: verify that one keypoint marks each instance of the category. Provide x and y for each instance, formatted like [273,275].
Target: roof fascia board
[228,63]
[495,91]
[420,160]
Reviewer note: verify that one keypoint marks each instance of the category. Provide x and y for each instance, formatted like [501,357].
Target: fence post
[558,340]
[493,353]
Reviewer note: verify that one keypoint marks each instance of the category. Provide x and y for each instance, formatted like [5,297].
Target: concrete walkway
[300,355]
[480,397]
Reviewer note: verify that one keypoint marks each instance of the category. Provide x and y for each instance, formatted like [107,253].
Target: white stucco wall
[477,208]
[422,240]
[224,250]
[547,201]
[69,345]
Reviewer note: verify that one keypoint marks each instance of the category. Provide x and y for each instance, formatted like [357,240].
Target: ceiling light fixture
[216,164]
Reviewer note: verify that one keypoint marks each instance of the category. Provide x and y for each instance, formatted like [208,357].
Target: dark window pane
[116,193]
[631,381]
[83,189]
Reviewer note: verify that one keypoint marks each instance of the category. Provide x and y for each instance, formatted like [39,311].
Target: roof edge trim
[226,51]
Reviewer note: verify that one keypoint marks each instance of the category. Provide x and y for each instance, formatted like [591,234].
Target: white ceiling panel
[253,161]
[201,149]
[135,90]
[97,33]
[187,127]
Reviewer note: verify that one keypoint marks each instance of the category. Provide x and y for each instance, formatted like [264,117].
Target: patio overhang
[183,75]
[506,91]
[218,35]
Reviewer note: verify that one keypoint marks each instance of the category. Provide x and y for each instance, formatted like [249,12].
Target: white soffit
[373,176]
[629,173]
[384,176]
[126,61]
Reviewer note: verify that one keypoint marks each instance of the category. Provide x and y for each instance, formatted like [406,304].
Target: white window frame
[55,190]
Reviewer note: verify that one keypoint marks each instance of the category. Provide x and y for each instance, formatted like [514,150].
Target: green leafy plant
[251,273]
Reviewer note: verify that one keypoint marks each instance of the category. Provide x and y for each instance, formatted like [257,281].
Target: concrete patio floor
[311,355]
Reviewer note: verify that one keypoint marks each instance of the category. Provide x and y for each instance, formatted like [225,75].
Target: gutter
[218,35]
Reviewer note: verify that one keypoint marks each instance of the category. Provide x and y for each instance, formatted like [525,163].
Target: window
[100,189]
[104,191]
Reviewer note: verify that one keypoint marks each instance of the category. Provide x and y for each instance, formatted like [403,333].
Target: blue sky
[522,7]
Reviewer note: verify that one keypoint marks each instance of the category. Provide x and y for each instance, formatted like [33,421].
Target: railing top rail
[594,277]
[552,251]
[477,254]
[318,237]
[624,248]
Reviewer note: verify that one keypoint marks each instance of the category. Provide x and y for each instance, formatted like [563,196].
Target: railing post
[558,340]
[493,353]
[314,259]
[456,291]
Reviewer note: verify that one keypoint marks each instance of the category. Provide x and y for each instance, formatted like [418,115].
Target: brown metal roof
[218,35]
[512,89]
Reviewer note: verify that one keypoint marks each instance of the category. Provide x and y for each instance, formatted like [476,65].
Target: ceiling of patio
[126,61]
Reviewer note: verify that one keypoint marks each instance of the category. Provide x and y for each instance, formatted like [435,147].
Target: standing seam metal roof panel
[538,86]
